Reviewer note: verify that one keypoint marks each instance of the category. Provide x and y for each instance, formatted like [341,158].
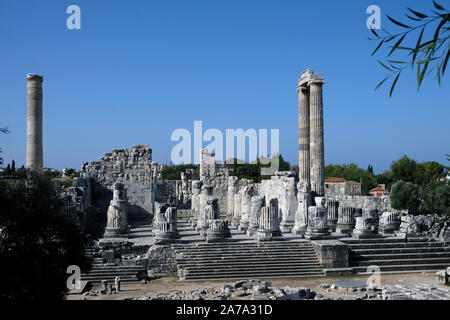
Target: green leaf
[438,6]
[381,43]
[412,18]
[394,83]
[438,29]
[438,69]
[376,34]
[417,46]
[394,61]
[381,83]
[444,66]
[427,60]
[397,44]
[398,23]
[422,75]
[384,65]
[418,14]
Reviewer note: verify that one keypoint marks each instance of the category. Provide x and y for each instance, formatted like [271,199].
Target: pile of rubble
[418,292]
[242,289]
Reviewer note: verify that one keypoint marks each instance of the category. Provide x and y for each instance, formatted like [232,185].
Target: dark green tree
[426,55]
[404,169]
[13,166]
[37,240]
[405,196]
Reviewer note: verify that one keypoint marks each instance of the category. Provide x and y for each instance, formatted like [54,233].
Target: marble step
[399,256]
[395,245]
[259,275]
[398,250]
[405,268]
[443,260]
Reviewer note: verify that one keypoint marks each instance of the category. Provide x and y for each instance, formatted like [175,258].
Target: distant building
[379,191]
[341,187]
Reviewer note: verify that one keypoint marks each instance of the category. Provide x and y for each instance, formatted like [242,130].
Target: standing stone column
[231,191]
[316,136]
[205,193]
[303,133]
[195,202]
[303,203]
[246,206]
[34,122]
[237,210]
[257,203]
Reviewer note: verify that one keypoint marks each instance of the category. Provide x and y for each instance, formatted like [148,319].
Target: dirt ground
[169,284]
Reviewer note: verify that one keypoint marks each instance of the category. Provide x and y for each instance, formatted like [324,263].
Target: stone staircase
[394,255]
[108,271]
[244,260]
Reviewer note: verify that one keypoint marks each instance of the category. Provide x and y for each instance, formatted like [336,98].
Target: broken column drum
[333,214]
[371,213]
[346,220]
[364,226]
[269,224]
[211,212]
[218,230]
[389,222]
[167,231]
[317,220]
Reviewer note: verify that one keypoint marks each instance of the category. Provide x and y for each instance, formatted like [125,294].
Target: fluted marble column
[34,122]
[316,137]
[303,134]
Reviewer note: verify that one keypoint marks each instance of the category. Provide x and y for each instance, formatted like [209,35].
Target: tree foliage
[37,240]
[426,55]
[405,196]
[174,172]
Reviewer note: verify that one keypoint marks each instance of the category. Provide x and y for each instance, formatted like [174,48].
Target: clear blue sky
[137,70]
